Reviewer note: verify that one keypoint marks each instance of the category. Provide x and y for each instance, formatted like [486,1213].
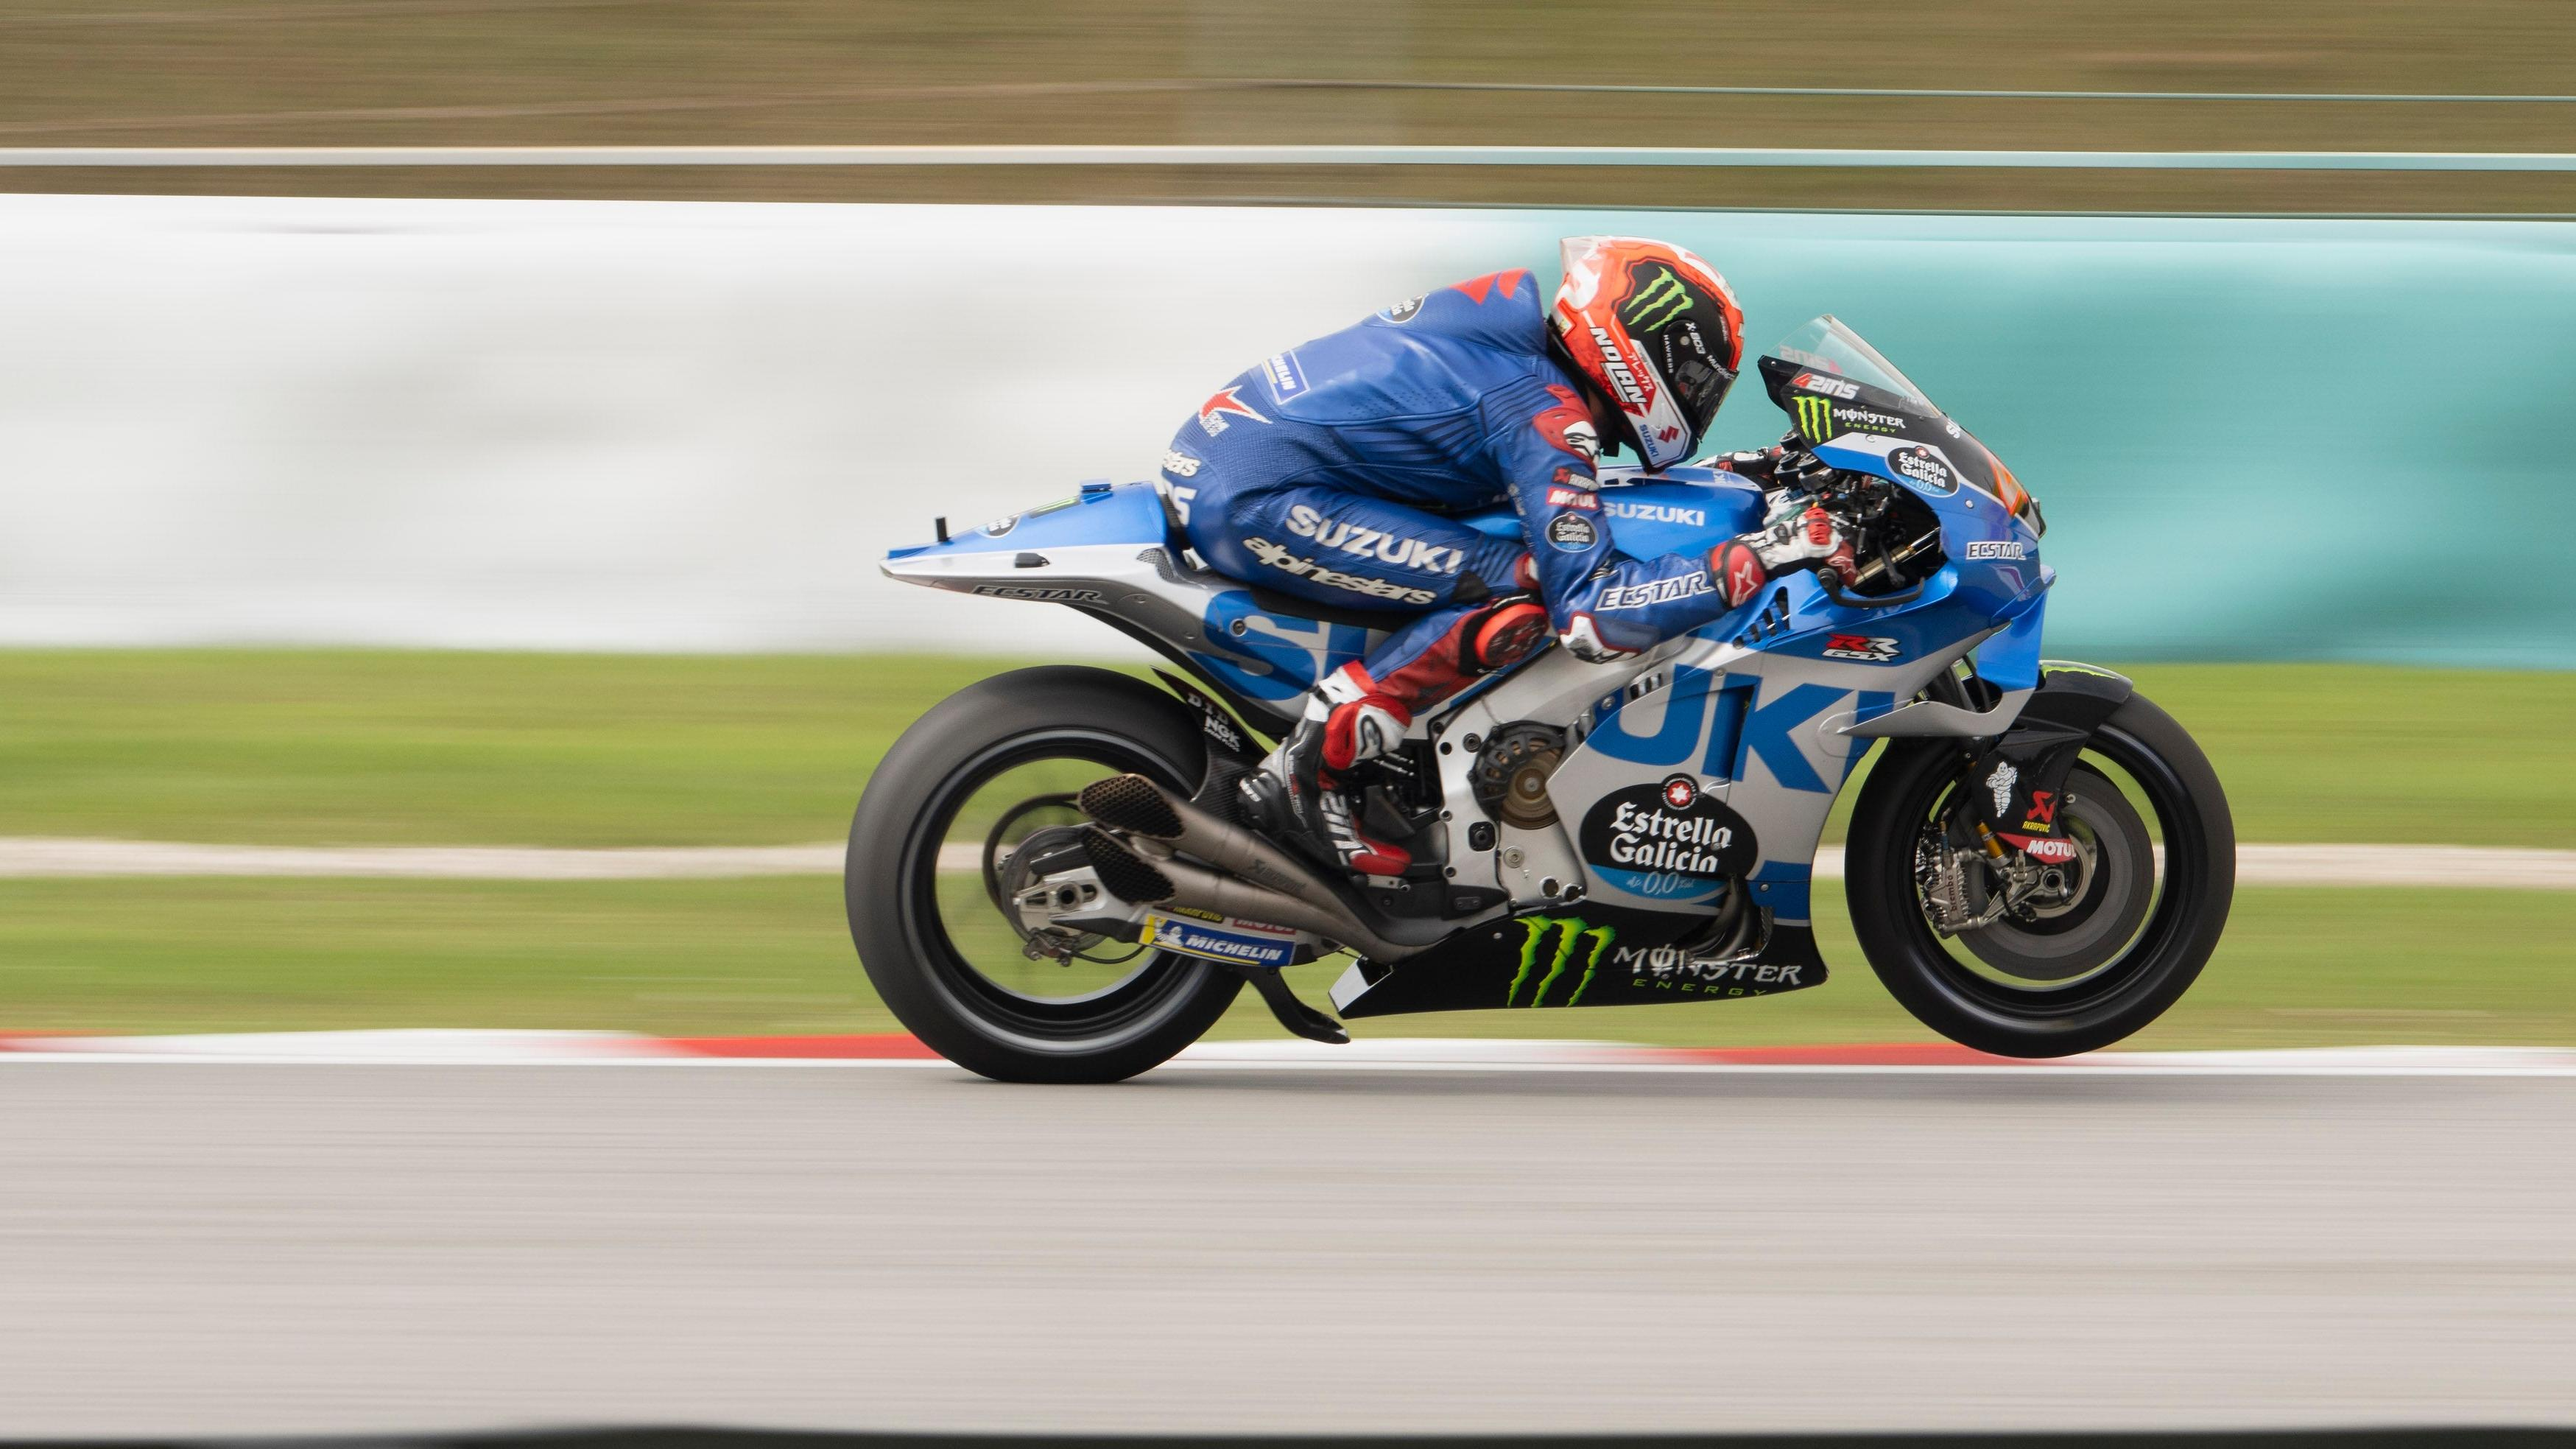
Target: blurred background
[513,511]
[539,506]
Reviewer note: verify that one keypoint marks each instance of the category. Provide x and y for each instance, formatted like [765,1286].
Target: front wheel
[2132,922]
[990,771]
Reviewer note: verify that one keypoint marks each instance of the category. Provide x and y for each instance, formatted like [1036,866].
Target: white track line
[2144,1066]
[32,857]
[486,1048]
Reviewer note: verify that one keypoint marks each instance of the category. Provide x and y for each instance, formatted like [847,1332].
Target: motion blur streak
[249,1250]
[671,425]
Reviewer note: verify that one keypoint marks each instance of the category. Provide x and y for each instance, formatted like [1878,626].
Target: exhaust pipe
[1138,806]
[1133,878]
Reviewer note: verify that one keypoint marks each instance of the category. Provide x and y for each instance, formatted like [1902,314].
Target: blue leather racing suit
[1333,472]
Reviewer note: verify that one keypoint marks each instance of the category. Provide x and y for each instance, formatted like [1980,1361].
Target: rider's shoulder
[1502,311]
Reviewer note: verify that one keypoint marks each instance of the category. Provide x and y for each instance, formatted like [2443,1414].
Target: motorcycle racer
[1332,472]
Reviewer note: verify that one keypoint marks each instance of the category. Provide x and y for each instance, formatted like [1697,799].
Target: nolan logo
[1614,363]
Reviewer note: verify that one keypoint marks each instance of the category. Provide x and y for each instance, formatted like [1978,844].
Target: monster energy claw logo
[1570,932]
[1815,417]
[1662,300]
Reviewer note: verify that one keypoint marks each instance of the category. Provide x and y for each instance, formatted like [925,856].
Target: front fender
[2014,784]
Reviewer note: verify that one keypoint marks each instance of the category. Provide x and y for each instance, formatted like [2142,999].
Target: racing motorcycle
[1048,879]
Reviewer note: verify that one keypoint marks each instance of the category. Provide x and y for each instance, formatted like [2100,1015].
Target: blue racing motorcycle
[1047,880]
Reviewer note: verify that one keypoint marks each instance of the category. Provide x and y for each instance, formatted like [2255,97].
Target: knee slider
[1505,633]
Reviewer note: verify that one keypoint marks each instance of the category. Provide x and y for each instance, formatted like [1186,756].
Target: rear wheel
[989,773]
[2118,935]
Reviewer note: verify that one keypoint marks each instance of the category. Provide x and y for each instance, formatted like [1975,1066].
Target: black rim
[2178,889]
[1124,1009]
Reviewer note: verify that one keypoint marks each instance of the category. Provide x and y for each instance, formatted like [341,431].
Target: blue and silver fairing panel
[1109,552]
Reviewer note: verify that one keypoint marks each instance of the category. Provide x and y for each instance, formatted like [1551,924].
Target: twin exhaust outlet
[1253,879]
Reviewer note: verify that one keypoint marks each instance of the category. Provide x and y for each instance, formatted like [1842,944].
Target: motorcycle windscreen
[1831,383]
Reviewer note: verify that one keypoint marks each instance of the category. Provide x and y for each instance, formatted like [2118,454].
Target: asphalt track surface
[252,1249]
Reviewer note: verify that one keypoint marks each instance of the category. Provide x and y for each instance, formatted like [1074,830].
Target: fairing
[1697,776]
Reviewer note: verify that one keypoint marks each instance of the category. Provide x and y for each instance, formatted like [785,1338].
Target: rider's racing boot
[1299,794]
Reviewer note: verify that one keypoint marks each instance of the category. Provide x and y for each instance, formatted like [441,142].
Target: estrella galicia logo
[1567,934]
[1923,468]
[1666,841]
[1404,311]
[1572,532]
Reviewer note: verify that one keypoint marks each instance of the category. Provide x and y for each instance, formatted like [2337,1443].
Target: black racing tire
[2196,885]
[1052,712]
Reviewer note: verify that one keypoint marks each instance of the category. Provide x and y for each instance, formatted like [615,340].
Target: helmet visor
[1699,385]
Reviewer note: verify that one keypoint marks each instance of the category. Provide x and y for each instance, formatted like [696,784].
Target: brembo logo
[1567,933]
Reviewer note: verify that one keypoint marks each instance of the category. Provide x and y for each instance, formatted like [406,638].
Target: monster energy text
[1670,968]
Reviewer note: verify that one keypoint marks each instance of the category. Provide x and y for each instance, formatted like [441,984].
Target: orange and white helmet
[1657,331]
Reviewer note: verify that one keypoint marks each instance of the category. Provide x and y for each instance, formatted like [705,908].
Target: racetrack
[228,1248]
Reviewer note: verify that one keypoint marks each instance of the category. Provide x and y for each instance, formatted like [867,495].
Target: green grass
[321,747]
[2298,967]
[415,748]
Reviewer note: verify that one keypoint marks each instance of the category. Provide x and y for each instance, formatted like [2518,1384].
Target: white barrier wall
[582,424]
[682,426]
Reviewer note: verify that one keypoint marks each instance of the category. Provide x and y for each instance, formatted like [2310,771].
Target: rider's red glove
[1738,571]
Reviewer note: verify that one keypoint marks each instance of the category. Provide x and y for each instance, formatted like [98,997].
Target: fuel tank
[1680,510]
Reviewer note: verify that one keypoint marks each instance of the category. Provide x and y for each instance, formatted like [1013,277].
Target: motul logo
[2055,850]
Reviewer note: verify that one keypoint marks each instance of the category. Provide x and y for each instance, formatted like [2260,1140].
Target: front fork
[2003,845]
